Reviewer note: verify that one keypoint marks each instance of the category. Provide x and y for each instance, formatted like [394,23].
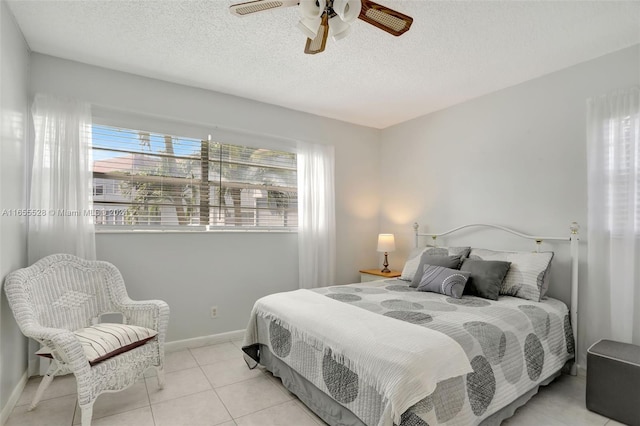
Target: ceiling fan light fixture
[347,10]
[338,29]
[309,27]
[316,15]
[312,9]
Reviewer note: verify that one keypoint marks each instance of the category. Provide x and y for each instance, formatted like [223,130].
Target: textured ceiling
[455,50]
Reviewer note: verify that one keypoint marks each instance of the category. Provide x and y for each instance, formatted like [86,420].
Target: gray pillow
[438,279]
[411,265]
[486,277]
[452,262]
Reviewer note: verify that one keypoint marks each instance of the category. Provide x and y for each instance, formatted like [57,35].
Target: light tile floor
[211,386]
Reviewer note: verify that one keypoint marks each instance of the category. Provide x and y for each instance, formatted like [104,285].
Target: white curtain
[61,187]
[613,151]
[316,216]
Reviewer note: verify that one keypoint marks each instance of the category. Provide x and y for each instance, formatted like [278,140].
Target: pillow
[525,278]
[105,340]
[452,262]
[413,261]
[438,279]
[545,280]
[486,277]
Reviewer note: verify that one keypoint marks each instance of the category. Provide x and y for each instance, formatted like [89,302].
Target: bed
[510,346]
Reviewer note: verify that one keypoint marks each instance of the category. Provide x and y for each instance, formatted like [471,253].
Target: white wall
[13,154]
[227,270]
[516,157]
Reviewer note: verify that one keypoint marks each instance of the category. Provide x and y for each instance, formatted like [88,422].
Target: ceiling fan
[321,18]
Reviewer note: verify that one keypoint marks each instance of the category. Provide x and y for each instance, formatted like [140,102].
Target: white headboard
[571,238]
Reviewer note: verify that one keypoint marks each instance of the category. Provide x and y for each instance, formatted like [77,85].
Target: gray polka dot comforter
[512,344]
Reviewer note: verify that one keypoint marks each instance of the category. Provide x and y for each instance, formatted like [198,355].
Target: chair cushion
[105,340]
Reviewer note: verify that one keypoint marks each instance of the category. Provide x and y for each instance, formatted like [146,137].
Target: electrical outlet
[214,312]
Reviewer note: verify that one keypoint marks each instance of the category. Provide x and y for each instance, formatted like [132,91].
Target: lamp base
[385,264]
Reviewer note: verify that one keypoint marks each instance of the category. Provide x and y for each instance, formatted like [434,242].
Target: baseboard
[582,372]
[196,342]
[13,399]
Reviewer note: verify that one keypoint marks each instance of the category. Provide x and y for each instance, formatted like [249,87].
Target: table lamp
[386,243]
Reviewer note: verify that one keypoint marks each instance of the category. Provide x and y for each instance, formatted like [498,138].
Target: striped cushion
[413,261]
[105,340]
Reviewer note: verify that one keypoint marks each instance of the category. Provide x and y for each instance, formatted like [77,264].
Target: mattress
[512,344]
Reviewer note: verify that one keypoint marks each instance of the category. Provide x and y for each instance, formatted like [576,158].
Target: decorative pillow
[105,340]
[438,279]
[486,277]
[546,279]
[525,278]
[413,261]
[451,262]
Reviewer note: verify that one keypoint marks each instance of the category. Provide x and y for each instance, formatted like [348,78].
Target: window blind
[147,179]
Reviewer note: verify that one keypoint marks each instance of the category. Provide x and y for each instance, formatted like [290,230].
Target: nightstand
[375,274]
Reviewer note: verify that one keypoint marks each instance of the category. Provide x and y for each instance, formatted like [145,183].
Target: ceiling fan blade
[251,7]
[386,19]
[318,44]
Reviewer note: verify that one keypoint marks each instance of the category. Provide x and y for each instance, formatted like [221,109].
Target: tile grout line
[149,396]
[212,387]
[109,415]
[263,375]
[75,409]
[44,397]
[263,409]
[47,400]
[288,393]
[179,369]
[281,387]
[314,419]
[77,406]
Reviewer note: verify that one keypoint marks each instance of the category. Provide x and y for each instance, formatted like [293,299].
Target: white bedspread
[403,361]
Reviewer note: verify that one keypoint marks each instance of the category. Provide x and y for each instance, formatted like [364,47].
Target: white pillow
[105,340]
[526,276]
[412,263]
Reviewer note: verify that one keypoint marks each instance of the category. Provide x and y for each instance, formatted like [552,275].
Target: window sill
[190,230]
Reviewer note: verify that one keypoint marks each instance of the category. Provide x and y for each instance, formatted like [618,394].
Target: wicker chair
[62,293]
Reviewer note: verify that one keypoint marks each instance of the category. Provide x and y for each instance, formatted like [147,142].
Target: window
[98,189]
[623,174]
[145,179]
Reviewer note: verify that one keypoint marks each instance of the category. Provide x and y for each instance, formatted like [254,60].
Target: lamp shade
[310,27]
[347,10]
[312,8]
[338,29]
[386,243]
